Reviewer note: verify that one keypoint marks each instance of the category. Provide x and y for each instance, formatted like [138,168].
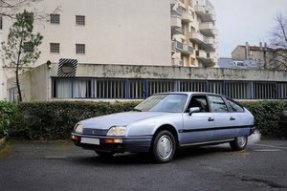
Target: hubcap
[164,147]
[241,141]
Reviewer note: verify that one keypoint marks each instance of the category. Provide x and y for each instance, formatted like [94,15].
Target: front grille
[95,132]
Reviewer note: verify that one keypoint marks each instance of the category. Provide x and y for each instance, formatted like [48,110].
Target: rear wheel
[239,143]
[164,146]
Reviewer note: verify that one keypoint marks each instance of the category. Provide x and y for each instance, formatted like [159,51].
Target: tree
[279,42]
[21,48]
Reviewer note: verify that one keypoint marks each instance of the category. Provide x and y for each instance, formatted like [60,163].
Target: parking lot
[62,166]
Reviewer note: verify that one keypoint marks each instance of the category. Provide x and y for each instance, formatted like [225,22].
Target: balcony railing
[206,13]
[207,29]
[176,21]
[196,37]
[205,58]
[186,17]
[183,48]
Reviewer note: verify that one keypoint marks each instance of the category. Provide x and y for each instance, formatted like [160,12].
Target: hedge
[267,116]
[55,120]
[10,117]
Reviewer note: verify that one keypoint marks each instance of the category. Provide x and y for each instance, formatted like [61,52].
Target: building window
[80,49]
[55,18]
[54,47]
[80,20]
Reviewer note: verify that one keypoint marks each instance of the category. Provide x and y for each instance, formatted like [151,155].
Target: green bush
[10,118]
[267,116]
[55,120]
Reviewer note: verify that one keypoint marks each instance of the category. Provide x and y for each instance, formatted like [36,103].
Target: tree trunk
[17,73]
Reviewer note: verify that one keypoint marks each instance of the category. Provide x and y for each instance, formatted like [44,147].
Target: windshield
[163,103]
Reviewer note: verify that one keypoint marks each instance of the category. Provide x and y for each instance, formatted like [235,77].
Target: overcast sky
[240,21]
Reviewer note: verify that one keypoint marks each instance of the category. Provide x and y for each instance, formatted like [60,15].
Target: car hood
[124,119]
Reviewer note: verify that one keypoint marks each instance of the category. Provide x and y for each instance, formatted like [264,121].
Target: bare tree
[279,42]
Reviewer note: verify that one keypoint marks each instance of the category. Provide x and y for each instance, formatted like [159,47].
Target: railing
[94,88]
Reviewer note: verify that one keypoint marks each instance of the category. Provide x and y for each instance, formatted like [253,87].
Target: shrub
[267,116]
[55,120]
[10,118]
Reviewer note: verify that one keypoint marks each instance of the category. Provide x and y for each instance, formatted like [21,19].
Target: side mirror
[193,110]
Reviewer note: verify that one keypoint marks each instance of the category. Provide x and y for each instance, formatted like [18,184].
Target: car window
[198,101]
[173,103]
[235,107]
[217,104]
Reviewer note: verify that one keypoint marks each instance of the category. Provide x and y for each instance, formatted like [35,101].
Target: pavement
[34,166]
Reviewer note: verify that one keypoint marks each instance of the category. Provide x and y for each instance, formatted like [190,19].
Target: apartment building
[193,33]
[126,32]
[264,56]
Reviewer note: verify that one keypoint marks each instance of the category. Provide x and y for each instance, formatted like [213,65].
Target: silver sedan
[165,122]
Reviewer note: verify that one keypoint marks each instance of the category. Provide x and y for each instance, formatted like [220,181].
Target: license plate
[90,141]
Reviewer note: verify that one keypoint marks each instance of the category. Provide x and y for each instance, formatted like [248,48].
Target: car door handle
[232,118]
[210,119]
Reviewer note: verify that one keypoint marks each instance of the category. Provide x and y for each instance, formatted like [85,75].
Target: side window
[234,106]
[217,104]
[199,101]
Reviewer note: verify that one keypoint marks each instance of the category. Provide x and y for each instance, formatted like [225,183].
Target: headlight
[117,131]
[78,128]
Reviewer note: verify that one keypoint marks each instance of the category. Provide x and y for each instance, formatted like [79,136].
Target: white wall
[132,32]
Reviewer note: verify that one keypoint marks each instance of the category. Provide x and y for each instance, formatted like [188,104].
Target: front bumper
[113,144]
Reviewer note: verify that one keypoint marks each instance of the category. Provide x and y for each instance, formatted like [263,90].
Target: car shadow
[145,158]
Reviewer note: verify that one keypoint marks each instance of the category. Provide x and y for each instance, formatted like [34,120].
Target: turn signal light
[113,141]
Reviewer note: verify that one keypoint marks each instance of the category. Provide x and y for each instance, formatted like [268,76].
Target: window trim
[80,20]
[54,52]
[52,21]
[78,45]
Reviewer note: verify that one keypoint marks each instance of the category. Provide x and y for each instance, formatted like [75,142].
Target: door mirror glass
[194,110]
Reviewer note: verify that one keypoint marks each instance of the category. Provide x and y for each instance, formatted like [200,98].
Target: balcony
[181,47]
[206,13]
[205,58]
[176,21]
[196,37]
[186,17]
[207,29]
[177,62]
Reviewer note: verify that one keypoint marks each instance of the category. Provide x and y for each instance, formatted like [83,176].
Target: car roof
[191,93]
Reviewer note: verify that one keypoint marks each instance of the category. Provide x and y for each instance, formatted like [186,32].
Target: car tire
[164,146]
[239,143]
[105,154]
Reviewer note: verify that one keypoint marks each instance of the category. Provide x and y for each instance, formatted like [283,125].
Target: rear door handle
[232,118]
[210,119]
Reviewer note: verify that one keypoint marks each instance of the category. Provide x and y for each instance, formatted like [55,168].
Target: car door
[224,121]
[197,127]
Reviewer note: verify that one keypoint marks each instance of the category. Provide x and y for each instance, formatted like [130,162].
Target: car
[166,122]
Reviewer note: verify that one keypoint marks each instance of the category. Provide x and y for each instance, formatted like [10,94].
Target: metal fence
[141,88]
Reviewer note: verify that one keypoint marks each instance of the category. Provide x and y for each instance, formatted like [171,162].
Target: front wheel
[164,147]
[239,143]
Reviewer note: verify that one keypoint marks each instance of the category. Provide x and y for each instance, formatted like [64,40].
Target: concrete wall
[36,83]
[161,72]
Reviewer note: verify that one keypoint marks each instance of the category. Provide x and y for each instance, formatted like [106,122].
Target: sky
[241,21]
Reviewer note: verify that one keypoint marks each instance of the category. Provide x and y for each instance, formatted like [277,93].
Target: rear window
[233,106]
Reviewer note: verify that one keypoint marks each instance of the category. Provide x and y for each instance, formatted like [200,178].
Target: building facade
[264,56]
[126,32]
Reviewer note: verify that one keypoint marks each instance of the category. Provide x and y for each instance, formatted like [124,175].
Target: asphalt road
[63,166]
